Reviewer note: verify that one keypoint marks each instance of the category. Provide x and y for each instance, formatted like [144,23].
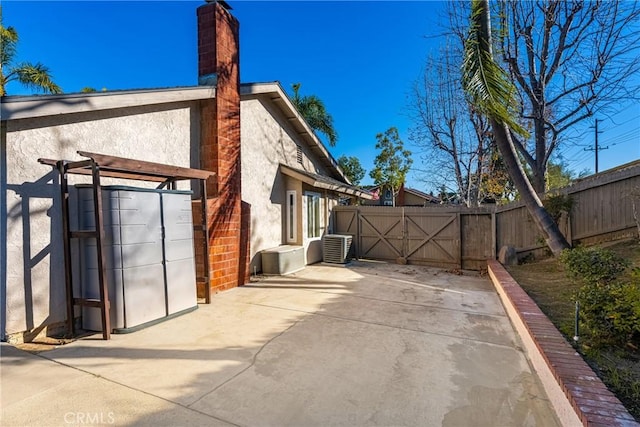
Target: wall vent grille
[299,154]
[336,248]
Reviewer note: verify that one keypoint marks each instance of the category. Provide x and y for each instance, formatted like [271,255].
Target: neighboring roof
[324,182]
[421,194]
[22,107]
[418,193]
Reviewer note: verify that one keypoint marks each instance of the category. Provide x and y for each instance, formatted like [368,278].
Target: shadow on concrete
[273,354]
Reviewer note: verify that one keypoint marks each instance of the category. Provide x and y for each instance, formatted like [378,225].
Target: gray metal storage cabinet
[149,255]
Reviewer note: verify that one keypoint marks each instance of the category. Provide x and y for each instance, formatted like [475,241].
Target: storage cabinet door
[179,256]
[150,274]
[142,267]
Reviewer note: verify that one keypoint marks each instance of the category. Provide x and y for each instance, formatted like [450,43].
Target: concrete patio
[369,344]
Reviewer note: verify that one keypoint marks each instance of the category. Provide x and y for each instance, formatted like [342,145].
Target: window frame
[291,214]
[314,219]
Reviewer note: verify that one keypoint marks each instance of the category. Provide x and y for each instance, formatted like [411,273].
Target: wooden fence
[602,211]
[459,237]
[442,236]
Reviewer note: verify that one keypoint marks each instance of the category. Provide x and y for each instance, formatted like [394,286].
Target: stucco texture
[267,141]
[35,294]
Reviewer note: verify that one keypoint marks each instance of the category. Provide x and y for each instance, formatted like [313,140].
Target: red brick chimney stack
[218,43]
[218,64]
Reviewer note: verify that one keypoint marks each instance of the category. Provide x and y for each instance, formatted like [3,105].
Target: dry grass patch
[547,284]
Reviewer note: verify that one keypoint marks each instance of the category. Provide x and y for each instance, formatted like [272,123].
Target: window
[291,223]
[314,215]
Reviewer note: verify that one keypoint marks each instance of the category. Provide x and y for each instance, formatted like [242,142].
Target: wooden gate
[433,238]
[450,237]
[381,234]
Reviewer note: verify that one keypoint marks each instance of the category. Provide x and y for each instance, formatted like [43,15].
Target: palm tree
[491,91]
[314,112]
[35,76]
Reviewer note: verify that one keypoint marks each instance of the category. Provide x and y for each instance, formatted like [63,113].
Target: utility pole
[596,146]
[596,149]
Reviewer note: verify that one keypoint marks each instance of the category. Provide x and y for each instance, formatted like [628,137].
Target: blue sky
[360,57]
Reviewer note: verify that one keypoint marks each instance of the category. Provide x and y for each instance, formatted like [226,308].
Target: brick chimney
[218,64]
[400,199]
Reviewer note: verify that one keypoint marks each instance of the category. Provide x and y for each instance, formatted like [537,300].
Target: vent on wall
[336,248]
[299,154]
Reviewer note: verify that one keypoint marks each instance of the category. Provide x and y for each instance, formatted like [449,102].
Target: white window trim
[292,217]
[320,216]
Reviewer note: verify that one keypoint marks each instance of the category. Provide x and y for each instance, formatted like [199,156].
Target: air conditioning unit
[336,248]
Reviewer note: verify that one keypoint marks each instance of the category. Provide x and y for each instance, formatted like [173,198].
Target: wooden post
[105,306]
[205,239]
[494,235]
[66,244]
[358,233]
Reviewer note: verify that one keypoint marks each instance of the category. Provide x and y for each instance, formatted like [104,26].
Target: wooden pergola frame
[101,165]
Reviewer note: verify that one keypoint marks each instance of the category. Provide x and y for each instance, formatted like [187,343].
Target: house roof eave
[33,106]
[325,183]
[24,107]
[300,125]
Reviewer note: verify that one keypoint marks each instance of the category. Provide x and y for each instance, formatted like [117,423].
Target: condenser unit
[336,248]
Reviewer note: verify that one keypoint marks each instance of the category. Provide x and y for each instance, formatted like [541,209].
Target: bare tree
[457,148]
[569,59]
[454,139]
[490,90]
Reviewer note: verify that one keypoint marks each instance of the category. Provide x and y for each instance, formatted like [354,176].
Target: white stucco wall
[31,267]
[32,255]
[267,141]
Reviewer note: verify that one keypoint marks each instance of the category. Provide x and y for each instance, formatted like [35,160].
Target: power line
[577,163]
[632,119]
[624,137]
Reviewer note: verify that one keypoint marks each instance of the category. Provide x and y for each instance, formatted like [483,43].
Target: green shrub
[610,312]
[593,265]
[609,308]
[555,204]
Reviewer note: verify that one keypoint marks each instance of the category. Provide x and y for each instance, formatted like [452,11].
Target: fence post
[459,239]
[494,235]
[405,237]
[568,234]
[358,234]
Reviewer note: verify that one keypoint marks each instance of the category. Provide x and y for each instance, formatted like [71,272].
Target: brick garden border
[579,397]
